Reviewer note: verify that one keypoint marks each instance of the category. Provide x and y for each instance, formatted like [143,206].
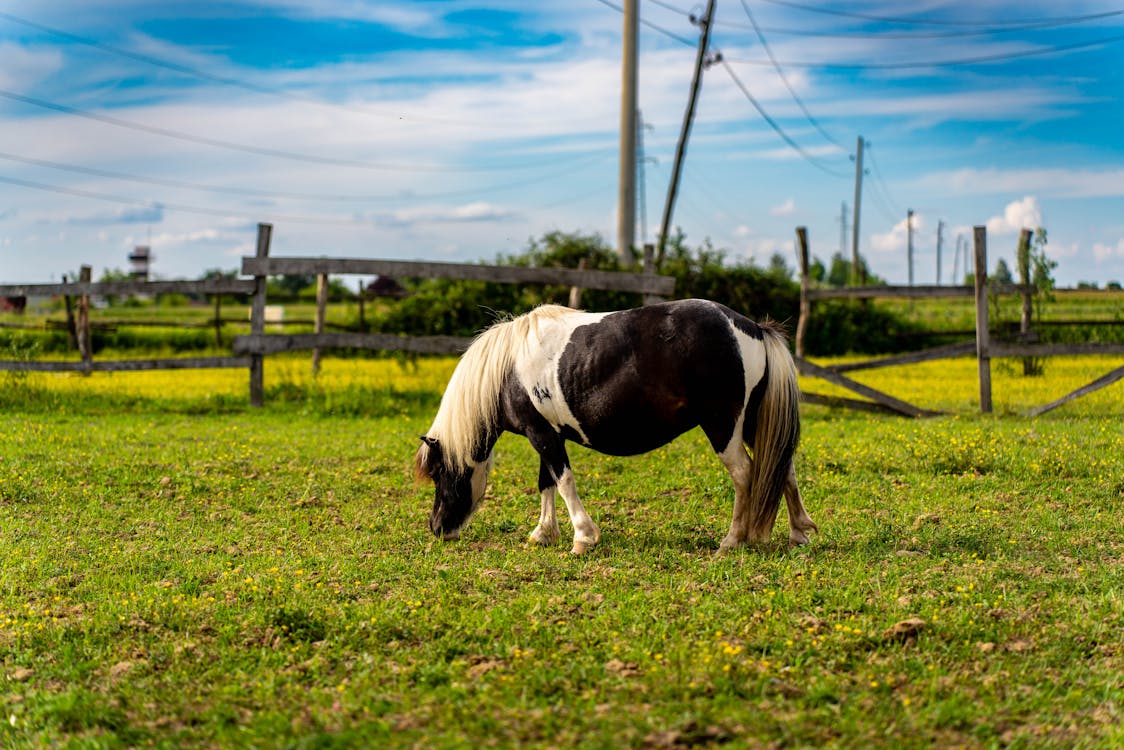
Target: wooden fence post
[1028,297]
[83,325]
[71,327]
[257,318]
[805,303]
[362,318]
[983,355]
[575,301]
[321,309]
[218,320]
[650,267]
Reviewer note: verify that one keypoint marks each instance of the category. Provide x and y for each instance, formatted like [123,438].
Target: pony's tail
[777,433]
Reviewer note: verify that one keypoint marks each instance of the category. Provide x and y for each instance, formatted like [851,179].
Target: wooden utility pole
[909,241]
[626,196]
[940,236]
[688,117]
[856,276]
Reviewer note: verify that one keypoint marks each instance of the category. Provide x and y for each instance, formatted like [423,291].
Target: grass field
[182,571]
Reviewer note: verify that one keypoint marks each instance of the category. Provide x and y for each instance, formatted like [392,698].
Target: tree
[1003,273]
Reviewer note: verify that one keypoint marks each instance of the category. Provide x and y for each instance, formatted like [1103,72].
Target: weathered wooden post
[257,318]
[218,320]
[983,355]
[805,282]
[83,326]
[321,309]
[575,301]
[71,327]
[1027,296]
[362,298]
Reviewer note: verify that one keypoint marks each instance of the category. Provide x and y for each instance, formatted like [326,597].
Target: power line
[880,183]
[650,25]
[998,57]
[179,207]
[246,148]
[783,77]
[217,78]
[940,22]
[258,193]
[982,30]
[773,124]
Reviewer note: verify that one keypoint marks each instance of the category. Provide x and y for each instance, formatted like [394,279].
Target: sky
[445,130]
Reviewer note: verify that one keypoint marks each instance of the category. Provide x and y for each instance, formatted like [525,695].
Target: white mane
[471,400]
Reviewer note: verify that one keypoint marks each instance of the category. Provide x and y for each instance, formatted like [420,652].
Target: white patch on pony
[537,369]
[753,363]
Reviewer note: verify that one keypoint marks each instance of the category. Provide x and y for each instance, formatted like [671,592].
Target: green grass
[181,576]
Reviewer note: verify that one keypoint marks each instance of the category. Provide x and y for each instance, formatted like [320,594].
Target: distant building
[139,261]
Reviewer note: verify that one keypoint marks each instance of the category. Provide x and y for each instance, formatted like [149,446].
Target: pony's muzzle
[441,533]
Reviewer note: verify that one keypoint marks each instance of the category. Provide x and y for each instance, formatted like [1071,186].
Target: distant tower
[139,260]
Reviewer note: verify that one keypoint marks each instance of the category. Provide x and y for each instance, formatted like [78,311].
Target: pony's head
[458,490]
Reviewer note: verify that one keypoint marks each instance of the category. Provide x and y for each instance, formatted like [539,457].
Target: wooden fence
[983,348]
[80,324]
[249,351]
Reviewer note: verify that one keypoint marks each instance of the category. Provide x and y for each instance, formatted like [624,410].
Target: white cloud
[1069,183]
[897,239]
[1106,252]
[1018,215]
[785,209]
[152,214]
[465,214]
[21,67]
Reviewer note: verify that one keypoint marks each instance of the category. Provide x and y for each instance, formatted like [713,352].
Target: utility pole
[641,181]
[940,236]
[688,117]
[956,260]
[856,276]
[909,241]
[626,195]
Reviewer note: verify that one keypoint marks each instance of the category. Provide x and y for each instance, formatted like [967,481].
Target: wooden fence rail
[983,348]
[259,344]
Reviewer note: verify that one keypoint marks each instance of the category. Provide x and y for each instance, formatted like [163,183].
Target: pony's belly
[624,436]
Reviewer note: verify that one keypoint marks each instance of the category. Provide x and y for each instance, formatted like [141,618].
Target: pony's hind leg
[737,463]
[799,522]
[547,532]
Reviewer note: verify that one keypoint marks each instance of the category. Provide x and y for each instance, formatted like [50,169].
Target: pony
[622,383]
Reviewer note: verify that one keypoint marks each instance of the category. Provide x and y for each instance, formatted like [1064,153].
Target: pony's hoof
[542,537]
[727,545]
[580,548]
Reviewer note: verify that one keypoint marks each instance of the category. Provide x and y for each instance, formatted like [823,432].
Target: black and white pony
[621,383]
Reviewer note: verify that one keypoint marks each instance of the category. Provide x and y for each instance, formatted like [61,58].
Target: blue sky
[448,130]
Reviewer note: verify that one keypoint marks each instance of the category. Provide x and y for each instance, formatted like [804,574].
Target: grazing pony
[621,383]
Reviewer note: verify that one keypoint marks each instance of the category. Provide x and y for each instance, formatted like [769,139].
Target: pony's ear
[428,458]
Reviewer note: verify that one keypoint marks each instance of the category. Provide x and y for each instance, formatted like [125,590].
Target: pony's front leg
[547,532]
[799,522]
[586,533]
